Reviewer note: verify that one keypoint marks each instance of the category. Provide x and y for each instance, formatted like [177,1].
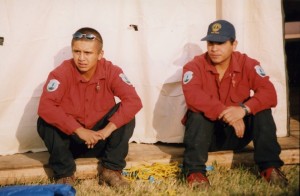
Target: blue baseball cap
[220,31]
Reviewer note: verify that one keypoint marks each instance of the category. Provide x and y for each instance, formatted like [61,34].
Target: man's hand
[92,137]
[239,127]
[89,136]
[232,114]
[107,131]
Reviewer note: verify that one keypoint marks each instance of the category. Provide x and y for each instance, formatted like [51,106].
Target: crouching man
[78,114]
[221,113]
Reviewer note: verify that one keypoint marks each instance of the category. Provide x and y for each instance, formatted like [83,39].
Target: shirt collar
[99,73]
[208,64]
[234,65]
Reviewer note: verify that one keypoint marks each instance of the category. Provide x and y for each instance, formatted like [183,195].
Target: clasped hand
[91,137]
[233,115]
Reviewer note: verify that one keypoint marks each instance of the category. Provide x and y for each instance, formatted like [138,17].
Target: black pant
[203,135]
[65,148]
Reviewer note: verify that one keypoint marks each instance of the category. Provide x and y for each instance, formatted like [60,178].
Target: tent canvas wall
[37,37]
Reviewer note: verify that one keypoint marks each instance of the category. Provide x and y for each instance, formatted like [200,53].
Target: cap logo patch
[187,77]
[125,79]
[52,85]
[259,70]
[215,28]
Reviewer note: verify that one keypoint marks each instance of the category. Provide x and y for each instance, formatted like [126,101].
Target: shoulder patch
[52,85]
[125,79]
[259,70]
[187,77]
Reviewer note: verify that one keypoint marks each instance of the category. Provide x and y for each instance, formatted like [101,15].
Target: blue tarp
[34,190]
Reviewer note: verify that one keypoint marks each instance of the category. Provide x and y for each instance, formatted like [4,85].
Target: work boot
[274,176]
[112,178]
[70,180]
[198,180]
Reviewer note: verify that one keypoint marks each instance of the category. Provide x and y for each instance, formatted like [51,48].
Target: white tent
[37,35]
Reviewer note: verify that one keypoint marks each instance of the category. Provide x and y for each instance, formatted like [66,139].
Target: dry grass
[240,180]
[236,181]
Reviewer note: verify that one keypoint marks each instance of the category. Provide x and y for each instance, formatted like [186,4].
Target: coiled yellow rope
[154,172]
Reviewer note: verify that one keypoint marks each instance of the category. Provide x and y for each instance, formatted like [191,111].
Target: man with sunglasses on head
[78,114]
[222,115]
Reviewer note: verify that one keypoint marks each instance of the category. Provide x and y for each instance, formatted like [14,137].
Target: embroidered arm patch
[187,77]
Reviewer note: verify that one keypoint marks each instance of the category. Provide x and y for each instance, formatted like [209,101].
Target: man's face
[86,54]
[220,53]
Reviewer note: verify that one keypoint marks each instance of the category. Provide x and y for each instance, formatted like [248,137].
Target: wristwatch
[245,109]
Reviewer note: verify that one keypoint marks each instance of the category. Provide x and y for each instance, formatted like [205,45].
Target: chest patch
[125,79]
[259,70]
[187,77]
[52,85]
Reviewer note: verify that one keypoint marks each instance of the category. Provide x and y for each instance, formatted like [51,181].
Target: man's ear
[235,43]
[101,54]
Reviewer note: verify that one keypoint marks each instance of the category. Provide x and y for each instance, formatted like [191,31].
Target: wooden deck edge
[89,169]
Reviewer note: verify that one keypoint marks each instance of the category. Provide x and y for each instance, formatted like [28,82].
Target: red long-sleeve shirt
[69,101]
[205,93]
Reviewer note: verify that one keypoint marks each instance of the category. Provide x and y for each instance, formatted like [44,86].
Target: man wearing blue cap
[222,115]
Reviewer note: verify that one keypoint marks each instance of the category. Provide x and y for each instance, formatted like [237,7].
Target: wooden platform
[31,167]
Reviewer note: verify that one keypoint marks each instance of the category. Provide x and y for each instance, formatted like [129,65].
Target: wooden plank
[88,169]
[23,175]
[295,125]
[289,142]
[24,160]
[292,36]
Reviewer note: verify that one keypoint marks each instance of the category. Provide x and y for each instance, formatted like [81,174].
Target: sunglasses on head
[88,36]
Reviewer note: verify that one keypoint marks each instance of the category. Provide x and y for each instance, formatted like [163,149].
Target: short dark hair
[232,40]
[86,30]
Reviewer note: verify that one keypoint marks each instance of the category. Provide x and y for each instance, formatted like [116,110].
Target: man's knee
[197,121]
[41,124]
[194,118]
[128,129]
[198,128]
[264,120]
[49,132]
